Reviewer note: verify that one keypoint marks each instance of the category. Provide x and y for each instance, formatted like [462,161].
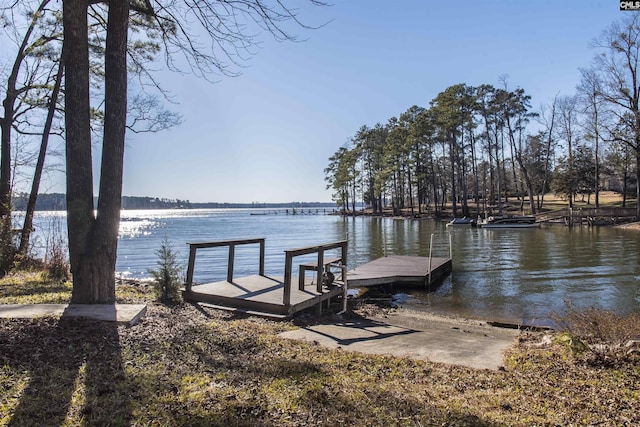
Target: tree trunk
[597,155]
[7,249]
[37,175]
[410,189]
[452,159]
[353,196]
[527,182]
[5,157]
[637,184]
[345,198]
[110,199]
[434,187]
[93,240]
[6,122]
[625,180]
[498,179]
[78,141]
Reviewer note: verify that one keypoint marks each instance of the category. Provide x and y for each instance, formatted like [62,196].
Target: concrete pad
[418,336]
[128,314]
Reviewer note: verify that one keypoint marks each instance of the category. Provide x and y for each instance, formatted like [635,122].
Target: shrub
[166,279]
[604,332]
[7,246]
[56,264]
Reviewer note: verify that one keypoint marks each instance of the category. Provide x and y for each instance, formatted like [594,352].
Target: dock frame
[276,297]
[270,296]
[403,270]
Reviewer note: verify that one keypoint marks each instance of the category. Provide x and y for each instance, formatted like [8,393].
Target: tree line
[58,202]
[477,148]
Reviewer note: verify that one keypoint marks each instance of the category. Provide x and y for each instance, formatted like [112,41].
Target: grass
[610,199]
[552,202]
[188,367]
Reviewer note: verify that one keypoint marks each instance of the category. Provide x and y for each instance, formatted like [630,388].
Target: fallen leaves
[189,366]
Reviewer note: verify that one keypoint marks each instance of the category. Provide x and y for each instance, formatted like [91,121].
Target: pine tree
[166,279]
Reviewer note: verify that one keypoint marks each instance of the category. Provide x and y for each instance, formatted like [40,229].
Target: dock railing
[431,254]
[576,216]
[320,266]
[193,247]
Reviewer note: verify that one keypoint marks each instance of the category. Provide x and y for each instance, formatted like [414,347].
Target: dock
[260,295]
[271,296]
[283,296]
[400,270]
[588,216]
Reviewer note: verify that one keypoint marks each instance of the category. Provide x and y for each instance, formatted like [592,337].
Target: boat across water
[461,221]
[510,221]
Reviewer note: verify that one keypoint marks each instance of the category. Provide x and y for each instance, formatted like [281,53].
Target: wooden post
[320,275]
[343,259]
[190,267]
[301,276]
[292,253]
[288,263]
[261,267]
[232,254]
[344,288]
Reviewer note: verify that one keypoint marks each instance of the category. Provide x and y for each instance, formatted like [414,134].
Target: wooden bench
[313,266]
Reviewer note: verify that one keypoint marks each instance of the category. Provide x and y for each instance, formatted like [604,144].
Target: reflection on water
[136,227]
[520,276]
[524,276]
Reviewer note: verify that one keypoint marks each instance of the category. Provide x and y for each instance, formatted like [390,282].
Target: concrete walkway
[127,314]
[416,335]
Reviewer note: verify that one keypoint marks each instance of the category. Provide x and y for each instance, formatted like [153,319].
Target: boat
[461,221]
[510,221]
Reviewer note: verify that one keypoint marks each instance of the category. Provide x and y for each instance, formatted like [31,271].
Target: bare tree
[567,110]
[93,237]
[617,66]
[548,118]
[28,91]
[18,106]
[595,118]
[39,168]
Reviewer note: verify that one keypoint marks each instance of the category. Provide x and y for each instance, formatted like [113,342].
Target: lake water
[519,276]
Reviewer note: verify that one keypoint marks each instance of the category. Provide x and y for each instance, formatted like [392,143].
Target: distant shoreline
[58,202]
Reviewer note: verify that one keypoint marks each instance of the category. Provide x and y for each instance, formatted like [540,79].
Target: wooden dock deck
[400,270]
[270,296]
[280,297]
[588,216]
[261,295]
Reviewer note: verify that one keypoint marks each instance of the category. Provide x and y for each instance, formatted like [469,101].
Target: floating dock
[280,297]
[400,270]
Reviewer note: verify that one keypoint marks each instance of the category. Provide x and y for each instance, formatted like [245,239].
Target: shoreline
[630,226]
[410,315]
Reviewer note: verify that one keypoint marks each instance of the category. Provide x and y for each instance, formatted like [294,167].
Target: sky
[266,135]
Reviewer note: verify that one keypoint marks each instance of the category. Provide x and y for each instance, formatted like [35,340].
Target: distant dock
[293,211]
[588,216]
